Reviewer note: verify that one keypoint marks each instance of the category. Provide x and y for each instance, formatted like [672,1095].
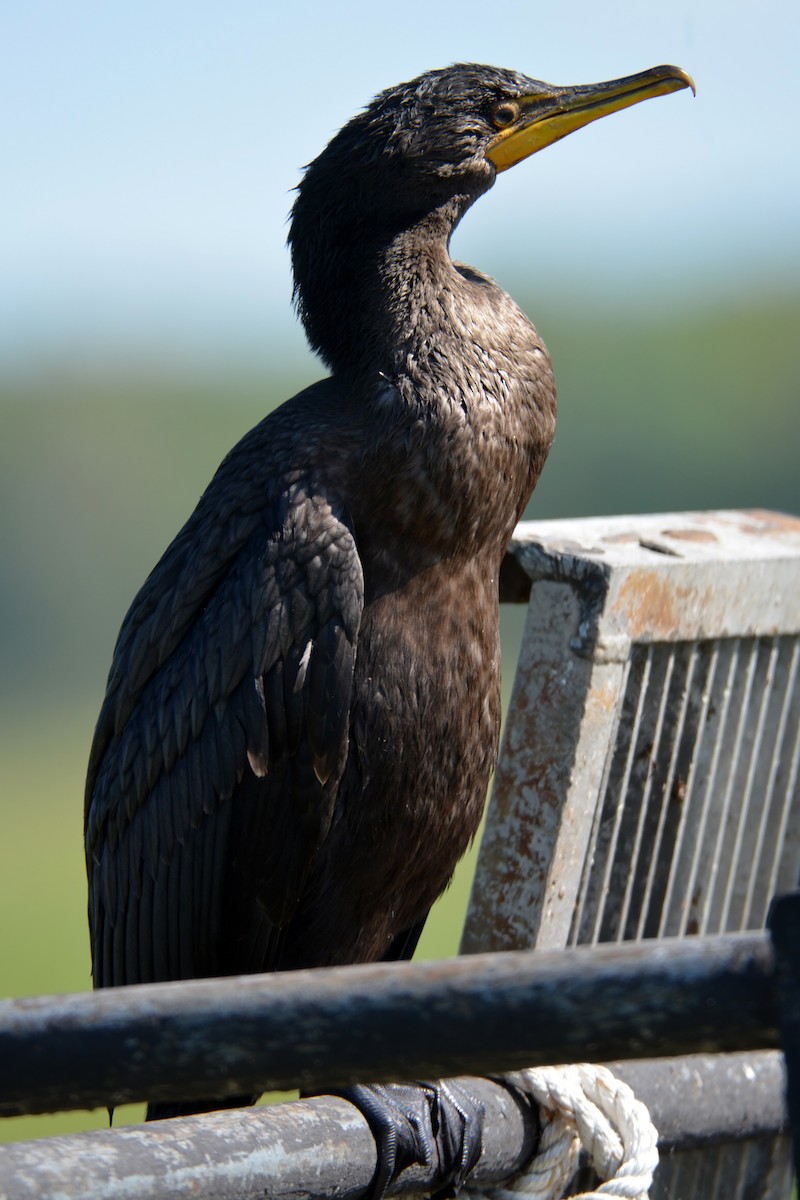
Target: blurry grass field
[99,469]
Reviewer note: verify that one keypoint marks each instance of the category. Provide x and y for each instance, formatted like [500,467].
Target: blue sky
[152,148]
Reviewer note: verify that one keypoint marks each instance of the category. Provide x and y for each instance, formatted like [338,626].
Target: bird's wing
[223,735]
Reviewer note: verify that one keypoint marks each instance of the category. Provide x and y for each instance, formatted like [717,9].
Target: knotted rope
[583,1107]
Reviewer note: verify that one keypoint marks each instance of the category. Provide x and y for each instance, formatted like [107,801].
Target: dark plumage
[303,707]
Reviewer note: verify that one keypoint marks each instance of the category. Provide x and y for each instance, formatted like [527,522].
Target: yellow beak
[550,113]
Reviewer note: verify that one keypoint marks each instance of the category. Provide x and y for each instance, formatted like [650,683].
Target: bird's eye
[505,114]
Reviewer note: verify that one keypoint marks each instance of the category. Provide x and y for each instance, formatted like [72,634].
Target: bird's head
[430,147]
[453,130]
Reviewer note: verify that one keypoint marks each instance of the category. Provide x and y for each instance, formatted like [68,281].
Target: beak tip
[683,77]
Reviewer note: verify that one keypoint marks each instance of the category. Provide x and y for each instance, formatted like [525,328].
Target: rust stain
[678,792]
[520,702]
[690,535]
[760,521]
[649,603]
[620,538]
[654,607]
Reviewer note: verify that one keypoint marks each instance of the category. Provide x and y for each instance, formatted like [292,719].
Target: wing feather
[219,748]
[143,939]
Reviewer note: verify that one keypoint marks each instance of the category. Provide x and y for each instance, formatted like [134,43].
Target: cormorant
[303,707]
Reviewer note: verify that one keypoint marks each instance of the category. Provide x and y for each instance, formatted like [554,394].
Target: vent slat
[743,858]
[772,815]
[735,738]
[598,880]
[634,859]
[671,808]
[693,832]
[693,796]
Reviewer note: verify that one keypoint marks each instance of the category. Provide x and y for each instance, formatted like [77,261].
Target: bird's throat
[364,285]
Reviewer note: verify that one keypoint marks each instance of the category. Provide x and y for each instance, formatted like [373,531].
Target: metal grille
[759,1167]
[648,781]
[698,825]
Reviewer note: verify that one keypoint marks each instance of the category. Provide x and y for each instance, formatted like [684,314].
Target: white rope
[583,1106]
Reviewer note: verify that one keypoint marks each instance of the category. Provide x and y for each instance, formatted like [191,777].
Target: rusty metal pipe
[314,1148]
[323,1147]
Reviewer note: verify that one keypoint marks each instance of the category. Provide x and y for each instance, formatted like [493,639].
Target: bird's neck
[367,287]
[445,371]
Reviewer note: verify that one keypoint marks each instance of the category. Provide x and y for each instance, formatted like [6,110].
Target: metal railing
[322,1029]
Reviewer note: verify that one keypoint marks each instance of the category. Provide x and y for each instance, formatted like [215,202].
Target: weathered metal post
[648,780]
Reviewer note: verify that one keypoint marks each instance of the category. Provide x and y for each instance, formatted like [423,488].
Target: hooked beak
[550,113]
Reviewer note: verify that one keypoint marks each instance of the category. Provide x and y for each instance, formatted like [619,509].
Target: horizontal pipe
[703,1099]
[323,1147]
[316,1148]
[323,1029]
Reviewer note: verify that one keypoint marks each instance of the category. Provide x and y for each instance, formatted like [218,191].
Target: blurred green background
[145,324]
